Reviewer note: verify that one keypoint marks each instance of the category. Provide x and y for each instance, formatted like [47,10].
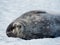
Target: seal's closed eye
[13,27]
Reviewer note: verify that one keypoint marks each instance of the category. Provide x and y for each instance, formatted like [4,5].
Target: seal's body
[34,25]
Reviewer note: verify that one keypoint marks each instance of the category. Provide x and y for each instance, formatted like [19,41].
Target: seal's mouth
[10,34]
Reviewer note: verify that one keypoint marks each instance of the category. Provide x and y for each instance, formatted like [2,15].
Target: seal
[34,25]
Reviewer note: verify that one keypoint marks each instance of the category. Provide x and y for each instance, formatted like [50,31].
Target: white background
[11,9]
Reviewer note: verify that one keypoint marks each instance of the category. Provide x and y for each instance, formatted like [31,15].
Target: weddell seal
[35,24]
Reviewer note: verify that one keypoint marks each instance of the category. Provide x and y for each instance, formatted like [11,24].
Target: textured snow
[11,9]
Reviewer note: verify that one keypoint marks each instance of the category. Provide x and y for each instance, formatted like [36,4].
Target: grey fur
[34,25]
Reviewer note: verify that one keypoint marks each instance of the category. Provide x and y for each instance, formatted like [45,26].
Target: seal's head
[15,29]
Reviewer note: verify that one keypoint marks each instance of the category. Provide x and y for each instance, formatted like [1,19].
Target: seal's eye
[13,27]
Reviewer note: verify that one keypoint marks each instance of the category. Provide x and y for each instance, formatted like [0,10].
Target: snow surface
[11,9]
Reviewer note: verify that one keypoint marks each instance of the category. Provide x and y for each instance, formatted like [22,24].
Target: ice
[11,9]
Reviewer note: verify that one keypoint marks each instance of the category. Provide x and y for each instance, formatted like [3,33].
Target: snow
[11,9]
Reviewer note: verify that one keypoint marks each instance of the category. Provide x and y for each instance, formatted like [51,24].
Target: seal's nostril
[9,35]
